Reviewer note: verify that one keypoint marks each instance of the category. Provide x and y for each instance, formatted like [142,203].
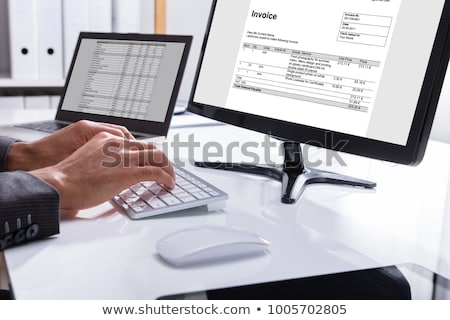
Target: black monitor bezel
[411,154]
[134,125]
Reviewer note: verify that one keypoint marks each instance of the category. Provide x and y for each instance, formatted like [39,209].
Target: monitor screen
[368,71]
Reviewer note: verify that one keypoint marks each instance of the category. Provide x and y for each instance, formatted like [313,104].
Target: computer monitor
[367,72]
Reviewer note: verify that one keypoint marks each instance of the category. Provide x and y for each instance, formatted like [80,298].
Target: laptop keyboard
[147,199]
[44,126]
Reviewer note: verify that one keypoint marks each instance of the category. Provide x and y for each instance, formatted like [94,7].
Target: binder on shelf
[23,39]
[4,44]
[49,21]
[75,20]
[137,16]
[100,15]
[83,15]
[147,16]
[126,16]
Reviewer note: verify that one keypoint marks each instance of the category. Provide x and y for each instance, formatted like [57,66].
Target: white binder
[23,39]
[83,15]
[100,15]
[75,20]
[49,20]
[147,16]
[126,15]
[134,16]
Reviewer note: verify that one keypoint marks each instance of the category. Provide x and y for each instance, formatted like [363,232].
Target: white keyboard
[146,199]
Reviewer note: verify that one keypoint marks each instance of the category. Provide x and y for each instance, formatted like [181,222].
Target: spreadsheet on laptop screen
[121,78]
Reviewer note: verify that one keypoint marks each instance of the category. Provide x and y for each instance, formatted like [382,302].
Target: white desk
[101,254]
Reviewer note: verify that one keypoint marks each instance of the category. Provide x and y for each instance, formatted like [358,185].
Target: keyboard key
[201,195]
[136,208]
[182,195]
[181,182]
[193,190]
[147,196]
[156,203]
[131,199]
[162,193]
[177,190]
[148,184]
[171,200]
[188,199]
[122,203]
[138,189]
[155,188]
[126,194]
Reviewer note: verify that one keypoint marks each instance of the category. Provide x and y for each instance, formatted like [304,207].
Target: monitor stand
[293,175]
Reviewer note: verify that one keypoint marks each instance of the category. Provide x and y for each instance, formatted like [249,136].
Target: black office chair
[386,283]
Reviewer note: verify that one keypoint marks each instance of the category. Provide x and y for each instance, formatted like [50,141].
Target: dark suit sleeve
[5,144]
[29,207]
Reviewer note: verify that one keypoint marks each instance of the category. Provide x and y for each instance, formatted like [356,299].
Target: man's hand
[102,168]
[54,148]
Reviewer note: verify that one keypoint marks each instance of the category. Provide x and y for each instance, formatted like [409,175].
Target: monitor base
[293,175]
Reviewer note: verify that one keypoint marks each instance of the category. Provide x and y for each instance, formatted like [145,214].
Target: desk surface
[101,254]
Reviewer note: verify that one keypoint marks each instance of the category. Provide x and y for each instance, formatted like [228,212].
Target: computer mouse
[203,244]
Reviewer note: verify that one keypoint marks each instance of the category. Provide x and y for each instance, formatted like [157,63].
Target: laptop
[126,79]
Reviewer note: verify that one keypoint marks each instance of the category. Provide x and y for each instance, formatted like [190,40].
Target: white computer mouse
[205,244]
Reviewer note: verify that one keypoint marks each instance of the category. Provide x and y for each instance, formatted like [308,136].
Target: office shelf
[32,87]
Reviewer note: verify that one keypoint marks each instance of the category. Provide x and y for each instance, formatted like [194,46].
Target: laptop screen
[116,78]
